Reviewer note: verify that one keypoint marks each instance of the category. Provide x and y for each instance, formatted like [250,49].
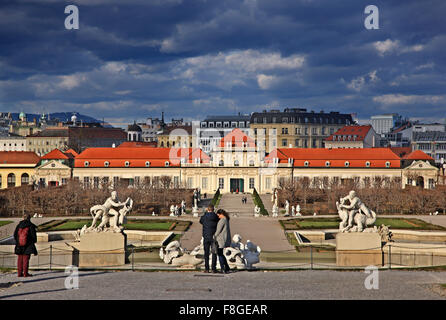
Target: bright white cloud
[266,82]
[394,46]
[391,99]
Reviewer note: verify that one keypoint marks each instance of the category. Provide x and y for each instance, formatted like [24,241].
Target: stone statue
[176,256]
[177,210]
[239,256]
[355,212]
[183,207]
[287,208]
[256,211]
[298,210]
[172,210]
[112,212]
[275,211]
[293,211]
[385,233]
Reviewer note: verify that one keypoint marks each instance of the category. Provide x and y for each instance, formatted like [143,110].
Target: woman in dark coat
[24,252]
[223,237]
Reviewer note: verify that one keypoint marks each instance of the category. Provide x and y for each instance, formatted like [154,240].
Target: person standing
[223,238]
[209,221]
[25,237]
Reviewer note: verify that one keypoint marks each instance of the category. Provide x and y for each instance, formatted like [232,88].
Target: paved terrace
[244,285]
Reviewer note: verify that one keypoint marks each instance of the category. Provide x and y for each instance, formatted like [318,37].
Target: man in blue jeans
[209,221]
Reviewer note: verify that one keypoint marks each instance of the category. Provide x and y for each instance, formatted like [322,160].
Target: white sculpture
[176,256]
[256,211]
[172,210]
[239,256]
[355,213]
[293,211]
[298,211]
[113,214]
[287,208]
[177,210]
[275,210]
[183,207]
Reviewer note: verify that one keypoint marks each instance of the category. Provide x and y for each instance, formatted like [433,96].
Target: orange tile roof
[137,144]
[55,154]
[417,155]
[359,131]
[237,137]
[317,157]
[401,151]
[74,153]
[18,157]
[137,157]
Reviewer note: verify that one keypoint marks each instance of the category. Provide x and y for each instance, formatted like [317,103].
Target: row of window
[302,120]
[221,183]
[221,163]
[298,131]
[225,124]
[328,163]
[12,180]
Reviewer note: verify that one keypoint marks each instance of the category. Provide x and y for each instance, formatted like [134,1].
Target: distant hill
[61,116]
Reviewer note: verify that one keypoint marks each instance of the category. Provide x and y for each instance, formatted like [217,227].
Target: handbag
[214,246]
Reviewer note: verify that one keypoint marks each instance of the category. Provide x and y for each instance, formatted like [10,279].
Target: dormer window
[306,163]
[127,163]
[387,164]
[147,164]
[166,164]
[106,164]
[86,163]
[347,164]
[327,164]
[221,163]
[367,164]
[236,163]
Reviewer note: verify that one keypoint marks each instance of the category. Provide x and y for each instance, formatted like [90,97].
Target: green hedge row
[258,201]
[216,197]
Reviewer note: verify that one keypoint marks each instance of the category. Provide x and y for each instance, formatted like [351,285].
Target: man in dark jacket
[27,229]
[209,221]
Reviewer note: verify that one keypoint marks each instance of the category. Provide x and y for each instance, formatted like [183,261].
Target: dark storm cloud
[132,59]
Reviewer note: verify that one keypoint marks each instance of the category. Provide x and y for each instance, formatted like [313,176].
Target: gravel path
[292,285]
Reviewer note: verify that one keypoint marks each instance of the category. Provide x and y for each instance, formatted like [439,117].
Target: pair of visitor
[25,237]
[216,230]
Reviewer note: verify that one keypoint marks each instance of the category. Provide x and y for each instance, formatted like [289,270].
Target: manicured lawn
[4,223]
[147,225]
[333,223]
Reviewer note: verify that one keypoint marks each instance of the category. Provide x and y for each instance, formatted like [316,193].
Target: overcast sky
[131,59]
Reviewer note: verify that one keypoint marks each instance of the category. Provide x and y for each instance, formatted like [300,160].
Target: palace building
[237,165]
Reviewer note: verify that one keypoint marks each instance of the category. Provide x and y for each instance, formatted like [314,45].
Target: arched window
[11,180]
[24,179]
[251,163]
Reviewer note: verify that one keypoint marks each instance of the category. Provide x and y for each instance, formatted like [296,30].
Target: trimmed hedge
[258,201]
[215,199]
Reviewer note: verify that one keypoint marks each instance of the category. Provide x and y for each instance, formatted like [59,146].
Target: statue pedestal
[358,249]
[101,249]
[195,211]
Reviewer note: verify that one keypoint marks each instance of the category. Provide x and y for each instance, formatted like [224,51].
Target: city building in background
[353,137]
[295,128]
[213,128]
[384,123]
[433,143]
